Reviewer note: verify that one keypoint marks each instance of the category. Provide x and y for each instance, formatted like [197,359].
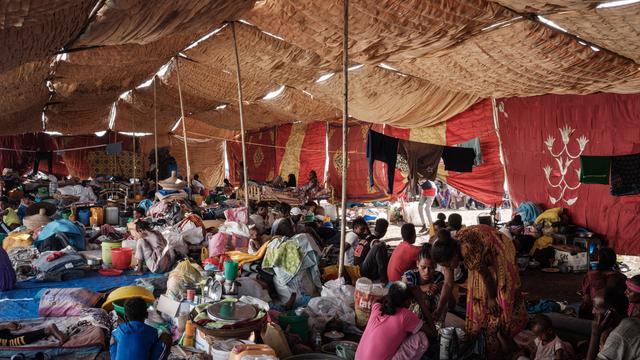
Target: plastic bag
[185,274]
[337,289]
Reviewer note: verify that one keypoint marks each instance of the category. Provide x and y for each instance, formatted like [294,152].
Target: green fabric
[595,169]
[286,256]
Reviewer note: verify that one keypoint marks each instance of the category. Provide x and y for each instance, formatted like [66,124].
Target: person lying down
[10,339]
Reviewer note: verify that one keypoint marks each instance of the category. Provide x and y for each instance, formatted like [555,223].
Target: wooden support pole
[345,133]
[155,129]
[184,127]
[241,108]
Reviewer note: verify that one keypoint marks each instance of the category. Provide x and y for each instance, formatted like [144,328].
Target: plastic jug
[365,295]
[106,251]
[97,216]
[111,215]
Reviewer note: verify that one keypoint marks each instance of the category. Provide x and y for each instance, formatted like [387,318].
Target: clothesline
[212,137]
[55,151]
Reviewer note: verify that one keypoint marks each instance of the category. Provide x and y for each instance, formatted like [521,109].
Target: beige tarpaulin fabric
[616,29]
[143,21]
[450,54]
[23,97]
[548,6]
[34,30]
[524,59]
[380,30]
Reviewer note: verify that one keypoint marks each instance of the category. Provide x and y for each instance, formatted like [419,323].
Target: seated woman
[606,276]
[153,250]
[7,274]
[425,277]
[9,339]
[393,331]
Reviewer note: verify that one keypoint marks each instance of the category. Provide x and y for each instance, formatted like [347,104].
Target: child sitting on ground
[136,340]
[548,345]
[7,338]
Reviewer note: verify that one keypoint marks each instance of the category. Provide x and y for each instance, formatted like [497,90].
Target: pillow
[66,302]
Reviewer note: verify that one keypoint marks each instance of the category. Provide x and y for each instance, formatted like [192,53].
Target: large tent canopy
[82,66]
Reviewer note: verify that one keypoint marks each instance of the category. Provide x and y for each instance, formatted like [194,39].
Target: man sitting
[261,218]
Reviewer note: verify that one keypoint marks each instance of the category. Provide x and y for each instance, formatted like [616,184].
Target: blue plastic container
[83,216]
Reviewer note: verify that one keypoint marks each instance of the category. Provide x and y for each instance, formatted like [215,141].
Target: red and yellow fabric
[534,131]
[261,156]
[312,154]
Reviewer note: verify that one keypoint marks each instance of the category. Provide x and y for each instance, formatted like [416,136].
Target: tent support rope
[241,108]
[155,129]
[184,127]
[345,132]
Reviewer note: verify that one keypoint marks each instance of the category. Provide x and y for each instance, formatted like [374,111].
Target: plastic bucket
[83,216]
[106,251]
[230,270]
[121,258]
[297,324]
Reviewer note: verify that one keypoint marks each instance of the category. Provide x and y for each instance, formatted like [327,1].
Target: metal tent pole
[345,133]
[241,108]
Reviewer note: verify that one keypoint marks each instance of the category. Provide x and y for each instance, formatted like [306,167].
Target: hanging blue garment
[528,211]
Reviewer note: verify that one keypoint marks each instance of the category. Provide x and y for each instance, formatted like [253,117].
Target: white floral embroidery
[564,159]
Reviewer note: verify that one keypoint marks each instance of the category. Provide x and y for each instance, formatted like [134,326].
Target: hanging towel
[382,148]
[475,145]
[625,175]
[458,159]
[595,169]
[422,159]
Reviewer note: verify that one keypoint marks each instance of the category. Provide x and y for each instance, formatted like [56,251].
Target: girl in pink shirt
[393,331]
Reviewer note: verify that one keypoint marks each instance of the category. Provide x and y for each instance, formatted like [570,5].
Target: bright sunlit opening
[53,133]
[221,107]
[325,77]
[387,67]
[145,84]
[112,116]
[596,49]
[136,134]
[101,133]
[355,67]
[163,70]
[274,93]
[273,35]
[62,57]
[197,42]
[176,124]
[616,3]
[551,23]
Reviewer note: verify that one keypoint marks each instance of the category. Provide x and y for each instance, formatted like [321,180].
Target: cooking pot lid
[231,311]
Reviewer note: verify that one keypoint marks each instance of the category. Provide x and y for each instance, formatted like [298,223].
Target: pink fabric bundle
[66,302]
[240,215]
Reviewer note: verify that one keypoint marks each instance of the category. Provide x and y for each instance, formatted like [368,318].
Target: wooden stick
[345,133]
[155,129]
[241,108]
[133,123]
[184,128]
[496,126]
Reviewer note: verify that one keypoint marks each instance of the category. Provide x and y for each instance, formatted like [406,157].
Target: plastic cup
[230,270]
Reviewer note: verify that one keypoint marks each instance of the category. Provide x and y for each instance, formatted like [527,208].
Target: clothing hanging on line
[625,175]
[595,169]
[475,145]
[422,160]
[458,159]
[383,148]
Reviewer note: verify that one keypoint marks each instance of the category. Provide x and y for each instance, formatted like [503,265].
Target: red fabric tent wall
[610,123]
[282,136]
[260,159]
[22,161]
[313,152]
[357,167]
[486,182]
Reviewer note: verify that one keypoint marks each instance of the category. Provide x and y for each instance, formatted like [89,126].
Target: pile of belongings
[60,234]
[61,265]
[231,313]
[172,188]
[172,201]
[294,263]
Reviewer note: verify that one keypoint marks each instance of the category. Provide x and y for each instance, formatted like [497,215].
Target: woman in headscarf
[7,274]
[494,299]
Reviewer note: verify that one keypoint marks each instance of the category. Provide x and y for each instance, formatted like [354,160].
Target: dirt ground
[538,285]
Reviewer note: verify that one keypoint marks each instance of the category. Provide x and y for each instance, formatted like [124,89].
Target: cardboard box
[572,256]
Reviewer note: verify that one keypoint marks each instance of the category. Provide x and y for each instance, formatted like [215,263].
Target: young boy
[136,340]
[548,345]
